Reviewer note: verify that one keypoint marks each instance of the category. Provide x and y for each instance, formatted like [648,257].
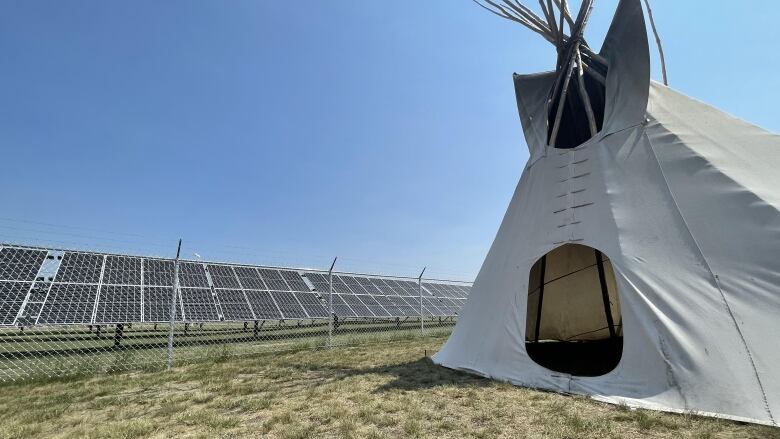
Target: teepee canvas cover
[684,200]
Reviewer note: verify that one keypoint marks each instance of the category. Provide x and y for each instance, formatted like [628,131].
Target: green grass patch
[380,390]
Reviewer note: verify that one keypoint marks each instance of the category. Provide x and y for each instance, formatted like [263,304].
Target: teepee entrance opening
[573,322]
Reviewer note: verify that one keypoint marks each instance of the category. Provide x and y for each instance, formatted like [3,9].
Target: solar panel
[339,286]
[368,285]
[288,305]
[316,278]
[395,288]
[447,304]
[157,304]
[12,296]
[449,291]
[374,306]
[452,291]
[382,286]
[122,270]
[294,280]
[250,279]
[20,264]
[222,276]
[69,303]
[263,305]
[312,304]
[431,288]
[450,305]
[353,284]
[199,305]
[158,272]
[119,304]
[414,302]
[389,305]
[83,268]
[192,274]
[340,307]
[408,288]
[319,281]
[404,308]
[234,305]
[354,302]
[455,291]
[273,279]
[434,308]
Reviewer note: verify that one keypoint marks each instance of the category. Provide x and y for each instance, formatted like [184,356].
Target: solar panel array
[363,296]
[44,286]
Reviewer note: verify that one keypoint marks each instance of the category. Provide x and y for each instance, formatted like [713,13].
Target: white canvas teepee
[683,202]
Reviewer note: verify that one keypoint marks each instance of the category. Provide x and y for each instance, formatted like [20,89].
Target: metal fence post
[419,291]
[330,303]
[174,295]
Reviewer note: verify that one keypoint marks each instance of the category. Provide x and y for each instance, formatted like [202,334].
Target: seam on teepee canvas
[716,280]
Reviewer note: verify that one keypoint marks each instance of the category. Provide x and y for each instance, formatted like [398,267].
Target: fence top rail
[234,264]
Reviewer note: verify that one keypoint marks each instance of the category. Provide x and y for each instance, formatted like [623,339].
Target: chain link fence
[70,312]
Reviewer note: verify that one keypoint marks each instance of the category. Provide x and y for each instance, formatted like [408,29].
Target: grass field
[371,391]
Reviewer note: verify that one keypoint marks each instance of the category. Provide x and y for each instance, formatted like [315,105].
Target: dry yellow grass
[372,391]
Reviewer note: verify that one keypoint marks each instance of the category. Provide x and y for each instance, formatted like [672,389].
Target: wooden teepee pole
[594,73]
[565,12]
[562,100]
[584,96]
[579,27]
[657,41]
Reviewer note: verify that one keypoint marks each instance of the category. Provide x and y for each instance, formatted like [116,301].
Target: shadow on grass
[415,375]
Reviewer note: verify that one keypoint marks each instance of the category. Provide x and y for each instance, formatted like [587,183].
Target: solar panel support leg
[97,332]
[246,325]
[256,329]
[118,334]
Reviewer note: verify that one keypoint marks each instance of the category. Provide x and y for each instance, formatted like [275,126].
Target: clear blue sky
[288,132]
